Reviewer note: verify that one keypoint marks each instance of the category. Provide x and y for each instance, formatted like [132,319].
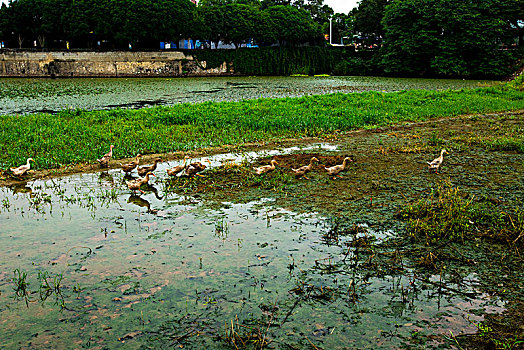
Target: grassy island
[78,136]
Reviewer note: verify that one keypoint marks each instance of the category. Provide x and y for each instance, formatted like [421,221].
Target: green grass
[452,214]
[75,136]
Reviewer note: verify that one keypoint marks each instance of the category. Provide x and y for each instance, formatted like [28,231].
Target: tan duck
[22,169]
[302,171]
[435,163]
[131,165]
[177,168]
[104,161]
[335,170]
[135,184]
[146,169]
[266,168]
[196,167]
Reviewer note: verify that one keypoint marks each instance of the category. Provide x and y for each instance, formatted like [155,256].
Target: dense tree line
[442,37]
[144,23]
[408,37]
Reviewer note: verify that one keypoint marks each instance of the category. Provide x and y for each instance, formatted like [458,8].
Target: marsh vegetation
[389,255]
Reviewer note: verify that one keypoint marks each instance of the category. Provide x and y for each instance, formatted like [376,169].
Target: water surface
[163,269]
[21,96]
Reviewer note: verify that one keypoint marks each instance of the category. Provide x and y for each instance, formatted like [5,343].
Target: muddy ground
[389,172]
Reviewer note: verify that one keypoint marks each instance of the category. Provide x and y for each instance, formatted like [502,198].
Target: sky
[341,6]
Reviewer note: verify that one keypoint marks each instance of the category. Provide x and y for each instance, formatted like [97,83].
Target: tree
[319,12]
[446,37]
[368,20]
[240,23]
[213,17]
[293,26]
[341,27]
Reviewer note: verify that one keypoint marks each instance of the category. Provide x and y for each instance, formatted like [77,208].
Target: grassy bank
[75,136]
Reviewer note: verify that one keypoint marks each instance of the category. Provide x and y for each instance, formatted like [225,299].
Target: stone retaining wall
[103,64]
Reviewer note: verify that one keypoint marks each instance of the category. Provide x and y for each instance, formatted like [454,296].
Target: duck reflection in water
[21,188]
[129,177]
[141,202]
[106,177]
[150,188]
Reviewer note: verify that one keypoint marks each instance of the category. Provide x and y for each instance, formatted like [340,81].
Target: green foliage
[146,22]
[368,20]
[448,38]
[76,136]
[291,60]
[362,63]
[451,214]
[293,26]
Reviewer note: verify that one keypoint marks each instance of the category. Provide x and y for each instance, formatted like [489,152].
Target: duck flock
[194,168]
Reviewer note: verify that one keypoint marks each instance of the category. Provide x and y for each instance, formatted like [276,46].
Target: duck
[135,184]
[302,171]
[435,163]
[196,167]
[335,170]
[131,165]
[266,168]
[177,168]
[146,169]
[22,169]
[104,161]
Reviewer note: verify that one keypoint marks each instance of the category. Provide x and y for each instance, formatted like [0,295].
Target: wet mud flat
[235,260]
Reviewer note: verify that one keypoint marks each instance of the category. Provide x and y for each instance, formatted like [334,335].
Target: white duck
[177,168]
[104,161]
[302,171]
[335,170]
[135,184]
[435,163]
[22,169]
[266,168]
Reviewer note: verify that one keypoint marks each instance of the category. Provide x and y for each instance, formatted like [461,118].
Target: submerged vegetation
[78,136]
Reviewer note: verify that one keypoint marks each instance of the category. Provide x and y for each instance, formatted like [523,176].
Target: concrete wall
[103,64]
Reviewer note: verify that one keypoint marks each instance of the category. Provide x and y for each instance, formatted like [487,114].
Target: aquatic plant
[21,284]
[221,229]
[242,336]
[51,285]
[48,285]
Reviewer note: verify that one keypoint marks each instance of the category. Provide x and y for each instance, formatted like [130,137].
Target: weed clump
[451,214]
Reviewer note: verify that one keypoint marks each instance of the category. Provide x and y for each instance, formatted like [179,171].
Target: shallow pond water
[21,96]
[164,270]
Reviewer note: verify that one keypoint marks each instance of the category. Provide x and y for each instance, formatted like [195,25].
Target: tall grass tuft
[451,214]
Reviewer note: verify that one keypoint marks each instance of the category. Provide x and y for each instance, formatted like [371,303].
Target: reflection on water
[106,177]
[139,201]
[176,273]
[21,96]
[21,188]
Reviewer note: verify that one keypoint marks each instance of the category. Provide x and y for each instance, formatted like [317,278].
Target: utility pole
[330,30]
